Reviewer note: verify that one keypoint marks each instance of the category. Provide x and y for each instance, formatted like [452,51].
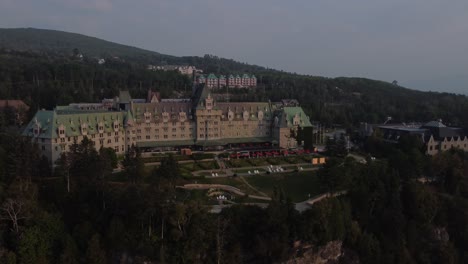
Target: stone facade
[166,124]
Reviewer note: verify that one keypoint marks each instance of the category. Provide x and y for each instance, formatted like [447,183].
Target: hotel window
[93,136]
[138,131]
[165,136]
[157,136]
[174,130]
[138,137]
[165,129]
[173,135]
[62,140]
[109,134]
[69,139]
[116,140]
[116,133]
[109,141]
[101,141]
[116,148]
[101,135]
[174,123]
[148,137]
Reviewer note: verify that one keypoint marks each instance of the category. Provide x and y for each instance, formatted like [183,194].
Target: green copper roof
[212,76]
[49,122]
[288,114]
[124,97]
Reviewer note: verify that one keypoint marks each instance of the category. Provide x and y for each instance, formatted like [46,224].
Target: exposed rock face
[329,254]
[440,234]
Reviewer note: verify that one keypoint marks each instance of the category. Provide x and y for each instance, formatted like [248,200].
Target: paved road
[230,172]
[227,188]
[302,206]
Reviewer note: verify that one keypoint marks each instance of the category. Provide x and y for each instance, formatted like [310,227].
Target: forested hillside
[39,65]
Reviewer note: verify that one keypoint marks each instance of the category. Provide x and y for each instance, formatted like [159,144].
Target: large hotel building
[166,124]
[231,81]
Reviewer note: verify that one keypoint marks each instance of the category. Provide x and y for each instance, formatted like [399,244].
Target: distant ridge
[61,42]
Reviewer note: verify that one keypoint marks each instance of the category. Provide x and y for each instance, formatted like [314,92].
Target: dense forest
[81,216]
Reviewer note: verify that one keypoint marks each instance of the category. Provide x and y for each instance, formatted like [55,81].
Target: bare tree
[13,210]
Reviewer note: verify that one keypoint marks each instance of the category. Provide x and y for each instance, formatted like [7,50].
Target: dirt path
[251,187]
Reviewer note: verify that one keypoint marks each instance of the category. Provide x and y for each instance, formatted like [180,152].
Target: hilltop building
[154,123]
[436,136]
[231,81]
[186,70]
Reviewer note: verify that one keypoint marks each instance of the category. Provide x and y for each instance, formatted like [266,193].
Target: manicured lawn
[295,185]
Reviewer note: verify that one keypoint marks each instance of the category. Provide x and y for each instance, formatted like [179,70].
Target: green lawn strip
[296,185]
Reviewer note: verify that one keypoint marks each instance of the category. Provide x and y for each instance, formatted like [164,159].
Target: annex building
[154,123]
[436,136]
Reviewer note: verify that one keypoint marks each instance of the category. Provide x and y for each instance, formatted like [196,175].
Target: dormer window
[61,131]
[296,120]
[116,126]
[84,129]
[182,116]
[165,117]
[209,102]
[230,115]
[260,115]
[37,130]
[246,115]
[147,117]
[101,127]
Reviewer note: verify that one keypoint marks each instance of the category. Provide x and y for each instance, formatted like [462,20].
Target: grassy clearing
[296,185]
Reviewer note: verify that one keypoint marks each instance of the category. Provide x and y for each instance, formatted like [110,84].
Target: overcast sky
[423,44]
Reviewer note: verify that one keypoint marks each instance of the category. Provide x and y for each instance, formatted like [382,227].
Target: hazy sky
[420,43]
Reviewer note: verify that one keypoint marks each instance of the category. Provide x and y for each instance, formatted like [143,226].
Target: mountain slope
[60,42]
